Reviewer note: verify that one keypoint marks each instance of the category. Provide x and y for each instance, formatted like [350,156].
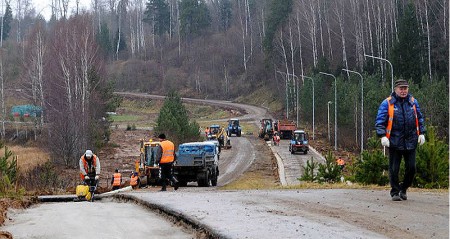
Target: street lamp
[335,108]
[362,106]
[312,80]
[296,90]
[328,108]
[287,100]
[392,69]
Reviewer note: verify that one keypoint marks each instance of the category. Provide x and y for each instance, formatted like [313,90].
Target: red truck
[285,128]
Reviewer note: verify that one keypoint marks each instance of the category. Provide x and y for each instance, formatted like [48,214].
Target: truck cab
[197,162]
[299,142]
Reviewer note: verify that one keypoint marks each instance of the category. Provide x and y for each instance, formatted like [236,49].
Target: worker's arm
[82,167]
[158,154]
[97,166]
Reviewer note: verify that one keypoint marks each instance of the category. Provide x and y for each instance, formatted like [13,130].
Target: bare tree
[70,81]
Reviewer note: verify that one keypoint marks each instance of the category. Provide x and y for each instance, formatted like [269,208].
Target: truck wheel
[306,152]
[238,134]
[204,182]
[214,180]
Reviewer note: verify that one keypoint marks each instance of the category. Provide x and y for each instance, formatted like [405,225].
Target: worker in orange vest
[340,162]
[276,139]
[206,132]
[89,168]
[166,157]
[116,180]
[134,180]
[400,125]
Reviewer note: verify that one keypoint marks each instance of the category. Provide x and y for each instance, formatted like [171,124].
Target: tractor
[148,167]
[234,128]
[266,129]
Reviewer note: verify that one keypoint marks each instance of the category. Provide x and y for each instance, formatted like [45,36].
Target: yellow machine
[218,133]
[147,167]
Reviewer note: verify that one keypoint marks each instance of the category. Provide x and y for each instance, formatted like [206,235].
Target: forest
[313,56]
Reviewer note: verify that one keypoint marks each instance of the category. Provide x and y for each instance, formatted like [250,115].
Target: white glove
[97,177]
[86,177]
[385,141]
[421,139]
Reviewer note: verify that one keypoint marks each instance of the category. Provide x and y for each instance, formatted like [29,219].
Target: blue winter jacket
[403,134]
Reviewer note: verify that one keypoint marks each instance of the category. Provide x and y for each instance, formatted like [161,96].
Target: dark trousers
[395,158]
[165,170]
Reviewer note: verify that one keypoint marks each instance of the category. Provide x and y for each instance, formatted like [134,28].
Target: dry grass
[29,157]
[251,181]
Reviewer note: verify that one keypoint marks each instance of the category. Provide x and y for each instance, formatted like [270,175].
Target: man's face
[401,91]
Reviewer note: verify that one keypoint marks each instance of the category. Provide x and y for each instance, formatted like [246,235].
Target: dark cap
[400,83]
[162,136]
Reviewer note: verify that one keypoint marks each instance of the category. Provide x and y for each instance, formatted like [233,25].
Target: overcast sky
[43,6]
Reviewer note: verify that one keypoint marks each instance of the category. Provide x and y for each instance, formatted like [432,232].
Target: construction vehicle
[147,166]
[299,142]
[285,128]
[218,133]
[234,128]
[197,162]
[266,129]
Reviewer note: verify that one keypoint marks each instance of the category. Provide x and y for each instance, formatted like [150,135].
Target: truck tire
[206,181]
[238,134]
[214,178]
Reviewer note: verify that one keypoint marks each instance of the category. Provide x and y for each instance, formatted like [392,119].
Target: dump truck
[147,166]
[285,128]
[266,129]
[197,162]
[218,133]
[234,128]
[299,142]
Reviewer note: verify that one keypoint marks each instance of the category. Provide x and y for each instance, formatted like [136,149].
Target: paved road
[292,164]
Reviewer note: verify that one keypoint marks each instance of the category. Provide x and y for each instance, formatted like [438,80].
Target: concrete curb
[174,215]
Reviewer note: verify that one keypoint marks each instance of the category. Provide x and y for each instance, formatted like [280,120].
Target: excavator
[218,133]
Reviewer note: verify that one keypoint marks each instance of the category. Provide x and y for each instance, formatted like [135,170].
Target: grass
[29,157]
[126,118]
[250,181]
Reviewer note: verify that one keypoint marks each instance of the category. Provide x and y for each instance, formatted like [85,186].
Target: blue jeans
[395,158]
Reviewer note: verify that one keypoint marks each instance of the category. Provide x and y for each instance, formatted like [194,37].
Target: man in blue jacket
[400,124]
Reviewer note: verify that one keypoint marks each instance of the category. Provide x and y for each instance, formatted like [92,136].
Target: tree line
[223,49]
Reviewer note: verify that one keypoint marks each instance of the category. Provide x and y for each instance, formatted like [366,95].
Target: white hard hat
[88,153]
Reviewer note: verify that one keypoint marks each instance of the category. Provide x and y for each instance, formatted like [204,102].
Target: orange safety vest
[117,179]
[86,166]
[391,117]
[168,150]
[134,180]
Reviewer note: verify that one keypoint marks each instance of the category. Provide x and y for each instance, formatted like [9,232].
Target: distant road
[253,113]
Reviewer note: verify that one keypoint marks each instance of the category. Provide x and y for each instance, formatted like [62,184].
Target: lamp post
[287,101]
[390,64]
[296,90]
[312,80]
[335,108]
[328,109]
[362,106]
